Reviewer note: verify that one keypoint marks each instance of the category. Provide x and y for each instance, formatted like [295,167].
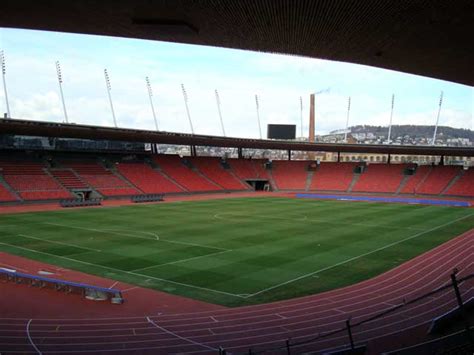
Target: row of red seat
[31,182]
[174,175]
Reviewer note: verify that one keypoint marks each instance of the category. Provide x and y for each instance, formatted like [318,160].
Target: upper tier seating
[248,169]
[380,178]
[146,179]
[212,168]
[101,179]
[464,186]
[172,166]
[290,175]
[437,180]
[333,176]
[415,180]
[31,181]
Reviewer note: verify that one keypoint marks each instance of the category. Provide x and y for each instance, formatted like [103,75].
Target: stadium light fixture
[347,119]
[218,102]
[150,96]
[185,97]
[60,82]
[437,119]
[390,123]
[109,88]
[4,72]
[258,115]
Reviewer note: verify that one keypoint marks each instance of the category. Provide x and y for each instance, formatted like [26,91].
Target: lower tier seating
[415,180]
[380,178]
[290,175]
[464,186]
[5,195]
[333,176]
[438,179]
[212,168]
[183,175]
[249,169]
[146,179]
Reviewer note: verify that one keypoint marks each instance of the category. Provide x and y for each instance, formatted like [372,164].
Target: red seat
[146,179]
[437,179]
[290,175]
[380,178]
[464,186]
[333,176]
[212,168]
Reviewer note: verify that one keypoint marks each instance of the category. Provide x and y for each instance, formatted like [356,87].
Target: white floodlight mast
[218,102]
[4,72]
[390,123]
[60,82]
[258,115]
[347,119]
[185,96]
[437,119]
[109,88]
[301,115]
[150,96]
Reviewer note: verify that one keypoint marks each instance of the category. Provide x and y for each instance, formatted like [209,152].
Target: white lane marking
[359,256]
[182,260]
[55,242]
[29,337]
[179,336]
[123,271]
[114,284]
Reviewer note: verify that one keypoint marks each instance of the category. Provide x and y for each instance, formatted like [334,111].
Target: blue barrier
[69,285]
[408,200]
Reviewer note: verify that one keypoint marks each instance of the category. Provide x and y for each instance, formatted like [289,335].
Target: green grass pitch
[236,251]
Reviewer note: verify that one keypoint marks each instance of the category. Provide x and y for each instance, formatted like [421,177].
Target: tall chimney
[311,118]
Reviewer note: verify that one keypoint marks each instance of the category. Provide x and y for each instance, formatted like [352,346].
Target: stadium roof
[50,129]
[426,37]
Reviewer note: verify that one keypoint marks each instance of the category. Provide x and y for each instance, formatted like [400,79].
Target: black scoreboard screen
[281,131]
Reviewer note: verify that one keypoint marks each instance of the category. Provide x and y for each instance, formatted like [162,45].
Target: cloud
[238,75]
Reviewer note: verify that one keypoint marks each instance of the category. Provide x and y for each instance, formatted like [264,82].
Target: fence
[348,327]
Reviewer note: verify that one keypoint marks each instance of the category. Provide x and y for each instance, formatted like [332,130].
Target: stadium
[109,243]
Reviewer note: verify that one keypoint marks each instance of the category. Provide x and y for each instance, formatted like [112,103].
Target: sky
[238,75]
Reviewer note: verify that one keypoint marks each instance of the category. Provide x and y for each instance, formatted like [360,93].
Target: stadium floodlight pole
[218,102]
[60,81]
[150,96]
[391,117]
[347,119]
[4,72]
[185,96]
[437,118]
[301,115]
[109,88]
[258,115]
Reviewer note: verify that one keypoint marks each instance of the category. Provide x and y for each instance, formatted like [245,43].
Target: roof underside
[425,37]
[48,129]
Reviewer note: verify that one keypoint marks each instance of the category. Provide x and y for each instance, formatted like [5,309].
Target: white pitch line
[135,236]
[358,257]
[61,243]
[123,271]
[179,336]
[29,337]
[181,260]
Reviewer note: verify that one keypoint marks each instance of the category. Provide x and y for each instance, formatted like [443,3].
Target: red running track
[269,325]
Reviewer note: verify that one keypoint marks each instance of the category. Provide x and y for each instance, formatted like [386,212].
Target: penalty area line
[358,256]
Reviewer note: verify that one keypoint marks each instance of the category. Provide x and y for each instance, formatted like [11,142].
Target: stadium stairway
[453,181]
[354,181]
[68,178]
[213,169]
[464,185]
[380,178]
[403,183]
[437,180]
[416,180]
[309,179]
[7,194]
